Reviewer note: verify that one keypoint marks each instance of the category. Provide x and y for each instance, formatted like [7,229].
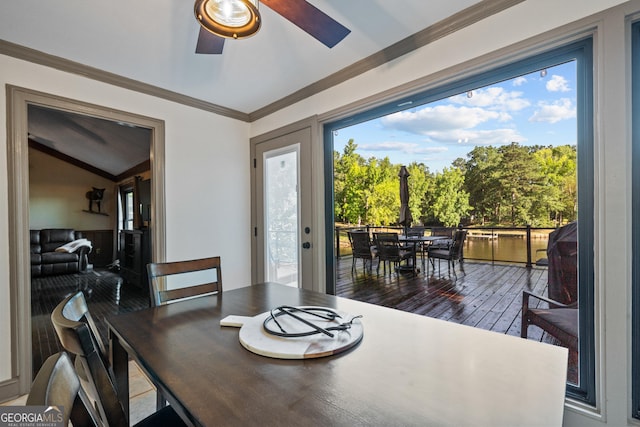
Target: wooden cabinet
[102,242]
[135,254]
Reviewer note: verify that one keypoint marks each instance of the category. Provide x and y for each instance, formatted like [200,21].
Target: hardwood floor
[105,294]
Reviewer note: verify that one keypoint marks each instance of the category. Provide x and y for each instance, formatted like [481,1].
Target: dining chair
[58,387]
[451,254]
[75,308]
[181,270]
[71,322]
[362,248]
[390,251]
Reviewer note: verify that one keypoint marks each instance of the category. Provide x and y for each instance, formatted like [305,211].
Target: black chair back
[71,322]
[57,385]
[388,246]
[360,244]
[458,244]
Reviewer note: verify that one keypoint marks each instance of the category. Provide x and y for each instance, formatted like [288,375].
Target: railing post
[528,245]
[337,242]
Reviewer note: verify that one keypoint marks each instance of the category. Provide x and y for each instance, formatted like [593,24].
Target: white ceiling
[153,41]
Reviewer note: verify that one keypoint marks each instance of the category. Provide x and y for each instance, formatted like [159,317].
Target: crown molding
[41,58]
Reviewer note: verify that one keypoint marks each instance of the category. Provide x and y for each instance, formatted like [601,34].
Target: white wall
[531,26]
[207,177]
[57,195]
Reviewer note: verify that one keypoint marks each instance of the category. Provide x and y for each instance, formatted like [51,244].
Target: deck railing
[524,245]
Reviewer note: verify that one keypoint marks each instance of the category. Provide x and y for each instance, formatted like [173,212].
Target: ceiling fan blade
[209,43]
[310,19]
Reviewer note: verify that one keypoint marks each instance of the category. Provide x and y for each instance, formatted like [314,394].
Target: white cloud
[519,81]
[403,147]
[562,109]
[558,84]
[478,137]
[442,117]
[493,98]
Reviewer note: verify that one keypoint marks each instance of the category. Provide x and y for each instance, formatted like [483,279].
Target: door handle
[306,245]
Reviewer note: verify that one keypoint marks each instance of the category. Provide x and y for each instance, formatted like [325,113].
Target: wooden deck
[482,295]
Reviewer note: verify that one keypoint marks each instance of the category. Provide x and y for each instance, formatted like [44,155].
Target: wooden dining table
[408,369]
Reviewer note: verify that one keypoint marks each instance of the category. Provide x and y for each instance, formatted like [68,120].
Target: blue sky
[534,109]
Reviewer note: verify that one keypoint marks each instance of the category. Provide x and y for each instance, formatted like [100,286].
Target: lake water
[504,248]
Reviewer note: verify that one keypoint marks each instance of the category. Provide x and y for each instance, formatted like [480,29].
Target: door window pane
[282,209]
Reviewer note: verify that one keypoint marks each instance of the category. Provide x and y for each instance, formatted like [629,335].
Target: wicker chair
[362,248]
[452,254]
[390,251]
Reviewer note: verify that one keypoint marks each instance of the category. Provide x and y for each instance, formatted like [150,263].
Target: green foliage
[509,184]
[450,201]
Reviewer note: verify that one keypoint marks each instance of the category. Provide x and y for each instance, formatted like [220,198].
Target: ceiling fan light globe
[228,18]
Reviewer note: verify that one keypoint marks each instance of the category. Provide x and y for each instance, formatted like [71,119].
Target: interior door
[284,250]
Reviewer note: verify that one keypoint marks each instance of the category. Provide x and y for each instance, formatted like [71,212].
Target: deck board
[483,295]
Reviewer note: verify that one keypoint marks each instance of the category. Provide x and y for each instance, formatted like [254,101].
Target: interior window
[513,146]
[126,202]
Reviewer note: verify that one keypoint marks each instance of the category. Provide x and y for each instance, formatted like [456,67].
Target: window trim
[582,52]
[635,227]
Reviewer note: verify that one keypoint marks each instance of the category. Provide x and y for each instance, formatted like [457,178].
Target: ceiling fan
[241,19]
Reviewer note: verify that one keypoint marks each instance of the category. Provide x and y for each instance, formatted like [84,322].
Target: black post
[529,246]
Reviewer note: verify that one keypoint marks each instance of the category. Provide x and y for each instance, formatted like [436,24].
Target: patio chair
[390,251]
[161,270]
[542,261]
[362,248]
[77,337]
[442,231]
[560,318]
[452,254]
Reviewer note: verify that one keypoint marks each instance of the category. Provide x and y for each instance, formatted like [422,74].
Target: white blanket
[74,246]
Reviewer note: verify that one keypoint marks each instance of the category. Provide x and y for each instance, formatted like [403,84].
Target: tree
[420,185]
[519,179]
[523,184]
[481,173]
[348,184]
[557,196]
[451,201]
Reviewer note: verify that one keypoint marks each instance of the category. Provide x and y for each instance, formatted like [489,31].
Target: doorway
[19,100]
[283,244]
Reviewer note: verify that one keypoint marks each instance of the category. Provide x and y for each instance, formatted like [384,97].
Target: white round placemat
[254,338]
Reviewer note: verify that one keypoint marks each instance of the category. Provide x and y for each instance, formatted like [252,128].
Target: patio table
[415,240]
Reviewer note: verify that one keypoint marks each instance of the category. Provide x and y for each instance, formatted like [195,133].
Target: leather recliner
[45,260]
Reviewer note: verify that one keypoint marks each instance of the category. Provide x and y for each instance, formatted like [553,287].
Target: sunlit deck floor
[481,294]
